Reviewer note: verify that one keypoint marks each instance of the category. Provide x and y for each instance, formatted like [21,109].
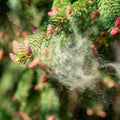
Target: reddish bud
[15,100]
[117,22]
[53,11]
[68,10]
[111,84]
[102,114]
[42,66]
[13,57]
[49,29]
[50,13]
[27,49]
[34,29]
[94,49]
[89,112]
[95,14]
[44,78]
[25,35]
[37,87]
[114,32]
[1,55]
[55,72]
[51,118]
[15,46]
[103,34]
[33,63]
[19,34]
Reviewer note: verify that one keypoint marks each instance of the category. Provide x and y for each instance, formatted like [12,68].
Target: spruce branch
[58,22]
[78,5]
[24,86]
[109,11]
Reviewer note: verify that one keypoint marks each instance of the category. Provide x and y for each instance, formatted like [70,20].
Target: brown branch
[111,9]
[84,5]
